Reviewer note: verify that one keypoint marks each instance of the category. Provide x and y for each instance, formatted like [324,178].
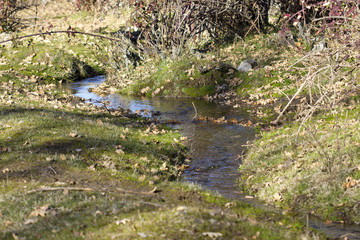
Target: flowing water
[215,148]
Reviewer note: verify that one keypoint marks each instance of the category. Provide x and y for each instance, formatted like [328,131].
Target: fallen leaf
[252,220]
[163,167]
[72,134]
[230,204]
[15,236]
[8,223]
[277,197]
[122,221]
[109,164]
[66,192]
[212,234]
[93,167]
[350,182]
[3,149]
[142,178]
[249,197]
[58,183]
[31,220]
[143,235]
[40,211]
[120,151]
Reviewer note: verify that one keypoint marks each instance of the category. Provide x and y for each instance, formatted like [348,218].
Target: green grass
[53,59]
[82,142]
[47,140]
[309,169]
[41,151]
[102,168]
[180,77]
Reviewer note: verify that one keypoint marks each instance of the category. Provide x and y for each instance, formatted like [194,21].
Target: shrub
[173,24]
[7,15]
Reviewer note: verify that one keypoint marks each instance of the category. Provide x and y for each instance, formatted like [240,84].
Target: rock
[246,65]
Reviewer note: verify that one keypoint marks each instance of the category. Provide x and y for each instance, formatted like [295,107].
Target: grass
[314,169]
[112,143]
[102,168]
[52,60]
[170,78]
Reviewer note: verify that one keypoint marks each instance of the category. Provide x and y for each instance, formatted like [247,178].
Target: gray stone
[246,65]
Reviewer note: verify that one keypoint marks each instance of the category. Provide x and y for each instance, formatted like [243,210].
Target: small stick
[50,168]
[308,78]
[133,192]
[59,188]
[195,111]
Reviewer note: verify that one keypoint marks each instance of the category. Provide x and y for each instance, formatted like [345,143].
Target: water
[215,148]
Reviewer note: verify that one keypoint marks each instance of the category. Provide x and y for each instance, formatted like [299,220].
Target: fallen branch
[277,120]
[144,193]
[69,33]
[60,188]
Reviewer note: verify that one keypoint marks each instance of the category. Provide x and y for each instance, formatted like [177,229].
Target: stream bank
[73,170]
[216,148]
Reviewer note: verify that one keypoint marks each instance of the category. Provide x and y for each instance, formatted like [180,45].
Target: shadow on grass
[42,170]
[75,213]
[45,138]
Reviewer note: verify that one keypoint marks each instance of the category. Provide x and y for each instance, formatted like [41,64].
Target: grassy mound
[313,169]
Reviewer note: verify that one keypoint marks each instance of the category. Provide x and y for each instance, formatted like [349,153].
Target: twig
[69,32]
[152,204]
[337,17]
[307,55]
[50,168]
[59,188]
[195,111]
[276,121]
[337,133]
[155,190]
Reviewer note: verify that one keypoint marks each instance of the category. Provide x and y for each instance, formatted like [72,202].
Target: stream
[215,148]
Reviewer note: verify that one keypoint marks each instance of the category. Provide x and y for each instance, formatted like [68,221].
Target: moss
[198,92]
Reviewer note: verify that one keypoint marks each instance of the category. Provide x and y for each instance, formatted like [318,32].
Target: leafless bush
[332,80]
[101,5]
[332,72]
[9,21]
[173,24]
